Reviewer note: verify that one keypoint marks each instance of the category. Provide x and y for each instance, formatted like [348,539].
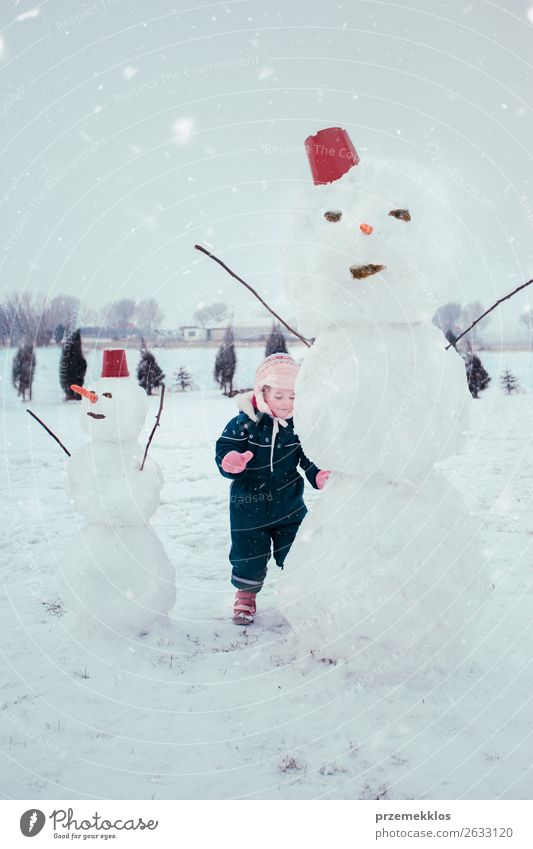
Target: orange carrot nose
[91,396]
[366,229]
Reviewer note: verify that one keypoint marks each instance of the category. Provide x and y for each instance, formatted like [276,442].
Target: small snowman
[386,567]
[116,574]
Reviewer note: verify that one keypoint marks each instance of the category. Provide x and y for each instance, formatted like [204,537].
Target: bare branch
[253,291]
[47,429]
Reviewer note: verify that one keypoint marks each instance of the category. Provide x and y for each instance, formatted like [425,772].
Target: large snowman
[386,569]
[116,574]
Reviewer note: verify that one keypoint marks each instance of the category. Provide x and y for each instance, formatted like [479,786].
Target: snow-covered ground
[203,709]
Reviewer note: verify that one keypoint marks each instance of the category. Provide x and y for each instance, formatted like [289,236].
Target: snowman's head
[114,410]
[372,246]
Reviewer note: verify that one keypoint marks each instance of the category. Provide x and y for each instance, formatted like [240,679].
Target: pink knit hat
[279,370]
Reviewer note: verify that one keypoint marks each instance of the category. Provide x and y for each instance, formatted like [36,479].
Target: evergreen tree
[226,362]
[72,365]
[23,370]
[59,332]
[149,374]
[219,361]
[509,382]
[451,337]
[478,378]
[275,343]
[183,379]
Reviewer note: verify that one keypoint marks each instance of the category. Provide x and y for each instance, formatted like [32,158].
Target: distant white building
[192,333]
[248,330]
[251,329]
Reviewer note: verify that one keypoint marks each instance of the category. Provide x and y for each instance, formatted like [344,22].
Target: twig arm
[157,418]
[493,307]
[47,429]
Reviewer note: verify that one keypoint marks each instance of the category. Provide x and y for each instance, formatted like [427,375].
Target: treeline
[32,319]
[73,367]
[453,318]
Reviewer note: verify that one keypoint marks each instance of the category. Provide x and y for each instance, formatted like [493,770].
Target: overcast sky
[131,130]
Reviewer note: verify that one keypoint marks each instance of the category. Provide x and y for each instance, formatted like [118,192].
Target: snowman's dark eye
[401,214]
[106,395]
[333,215]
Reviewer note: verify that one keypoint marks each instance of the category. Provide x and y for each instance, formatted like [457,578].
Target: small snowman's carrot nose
[367,229]
[91,396]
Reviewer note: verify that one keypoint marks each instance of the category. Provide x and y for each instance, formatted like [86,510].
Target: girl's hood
[246,404]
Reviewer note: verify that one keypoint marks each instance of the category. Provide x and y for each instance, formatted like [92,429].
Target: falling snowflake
[129,72]
[31,13]
[530,14]
[265,72]
[182,130]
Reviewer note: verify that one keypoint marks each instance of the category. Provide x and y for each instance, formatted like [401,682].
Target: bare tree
[148,315]
[21,317]
[205,313]
[526,317]
[65,310]
[469,313]
[5,324]
[120,314]
[24,319]
[448,317]
[44,329]
[452,318]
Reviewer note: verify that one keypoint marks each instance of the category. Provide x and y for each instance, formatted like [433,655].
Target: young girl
[260,452]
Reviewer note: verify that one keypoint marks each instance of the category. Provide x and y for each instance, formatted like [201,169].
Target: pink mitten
[233,462]
[321,478]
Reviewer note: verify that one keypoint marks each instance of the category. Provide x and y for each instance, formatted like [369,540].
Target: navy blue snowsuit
[266,499]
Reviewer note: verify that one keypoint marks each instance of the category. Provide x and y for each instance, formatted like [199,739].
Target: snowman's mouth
[359,272]
[96,415]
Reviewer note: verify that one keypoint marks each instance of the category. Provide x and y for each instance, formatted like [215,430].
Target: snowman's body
[384,567]
[116,574]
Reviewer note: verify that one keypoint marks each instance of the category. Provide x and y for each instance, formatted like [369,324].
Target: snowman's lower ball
[389,578]
[117,581]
